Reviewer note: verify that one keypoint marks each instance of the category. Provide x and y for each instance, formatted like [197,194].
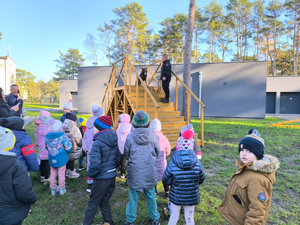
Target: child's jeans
[61,176]
[80,160]
[188,214]
[133,202]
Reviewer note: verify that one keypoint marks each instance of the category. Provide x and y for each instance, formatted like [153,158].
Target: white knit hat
[97,111]
[189,126]
[155,125]
[186,141]
[54,125]
[7,139]
[69,105]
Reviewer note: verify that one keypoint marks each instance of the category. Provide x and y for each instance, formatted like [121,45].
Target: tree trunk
[187,58]
[196,47]
[210,44]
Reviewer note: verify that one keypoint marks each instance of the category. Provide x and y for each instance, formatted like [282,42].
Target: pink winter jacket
[87,140]
[123,130]
[36,134]
[43,130]
[165,150]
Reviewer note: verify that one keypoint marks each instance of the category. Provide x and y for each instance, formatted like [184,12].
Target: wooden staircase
[130,98]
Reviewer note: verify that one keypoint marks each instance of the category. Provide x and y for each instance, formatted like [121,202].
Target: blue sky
[36,30]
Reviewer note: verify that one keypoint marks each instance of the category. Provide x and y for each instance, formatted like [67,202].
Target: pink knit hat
[44,117]
[37,120]
[186,141]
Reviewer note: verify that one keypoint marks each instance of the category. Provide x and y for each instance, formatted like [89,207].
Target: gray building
[283,95]
[236,89]
[68,89]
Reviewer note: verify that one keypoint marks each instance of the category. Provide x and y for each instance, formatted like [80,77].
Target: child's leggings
[44,168]
[60,171]
[188,214]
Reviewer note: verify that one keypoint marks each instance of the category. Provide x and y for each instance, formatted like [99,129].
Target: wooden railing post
[137,92]
[145,101]
[125,72]
[202,126]
[176,100]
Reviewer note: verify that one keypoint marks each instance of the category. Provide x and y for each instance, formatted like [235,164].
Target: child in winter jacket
[16,191]
[68,108]
[248,197]
[184,173]
[82,129]
[58,146]
[73,133]
[165,150]
[24,148]
[123,130]
[105,158]
[141,150]
[43,129]
[87,139]
[197,148]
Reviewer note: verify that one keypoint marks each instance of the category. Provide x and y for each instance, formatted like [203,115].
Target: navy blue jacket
[184,173]
[6,112]
[16,191]
[25,151]
[105,155]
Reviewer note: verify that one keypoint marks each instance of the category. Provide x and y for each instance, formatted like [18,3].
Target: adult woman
[6,110]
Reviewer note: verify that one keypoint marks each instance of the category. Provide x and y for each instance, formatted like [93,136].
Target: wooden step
[163,113]
[170,119]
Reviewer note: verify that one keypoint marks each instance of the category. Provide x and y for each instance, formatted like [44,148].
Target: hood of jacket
[54,139]
[108,137]
[142,136]
[90,122]
[19,134]
[125,118]
[69,126]
[7,160]
[267,165]
[185,159]
[124,128]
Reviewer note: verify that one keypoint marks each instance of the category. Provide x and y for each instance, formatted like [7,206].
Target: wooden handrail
[189,90]
[143,84]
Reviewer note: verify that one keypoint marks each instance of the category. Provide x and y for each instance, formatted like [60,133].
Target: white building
[7,73]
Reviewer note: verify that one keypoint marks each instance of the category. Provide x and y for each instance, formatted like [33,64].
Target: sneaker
[42,179]
[62,191]
[46,181]
[73,174]
[81,167]
[68,173]
[166,212]
[54,191]
[123,176]
[156,222]
[107,223]
[165,101]
[127,223]
[89,188]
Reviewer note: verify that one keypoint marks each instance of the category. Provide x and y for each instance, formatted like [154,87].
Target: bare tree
[188,57]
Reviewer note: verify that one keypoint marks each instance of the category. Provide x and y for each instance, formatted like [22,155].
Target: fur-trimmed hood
[267,166]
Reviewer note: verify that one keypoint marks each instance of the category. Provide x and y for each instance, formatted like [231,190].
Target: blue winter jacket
[105,155]
[58,147]
[184,173]
[25,151]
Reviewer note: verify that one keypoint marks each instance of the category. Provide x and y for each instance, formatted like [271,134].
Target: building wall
[68,89]
[228,89]
[7,73]
[285,84]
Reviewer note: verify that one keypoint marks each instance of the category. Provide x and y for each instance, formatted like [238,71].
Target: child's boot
[167,195]
[156,222]
[42,179]
[62,190]
[54,191]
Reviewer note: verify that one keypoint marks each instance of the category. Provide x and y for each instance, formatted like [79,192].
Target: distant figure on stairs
[143,75]
[166,77]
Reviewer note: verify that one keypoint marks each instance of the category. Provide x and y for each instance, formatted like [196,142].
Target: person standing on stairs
[166,77]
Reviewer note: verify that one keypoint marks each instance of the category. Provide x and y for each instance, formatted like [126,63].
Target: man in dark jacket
[105,158]
[141,150]
[166,77]
[14,98]
[15,187]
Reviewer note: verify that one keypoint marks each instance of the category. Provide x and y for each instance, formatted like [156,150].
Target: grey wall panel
[65,89]
[229,89]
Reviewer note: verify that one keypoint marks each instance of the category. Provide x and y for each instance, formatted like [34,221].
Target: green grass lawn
[218,157]
[40,106]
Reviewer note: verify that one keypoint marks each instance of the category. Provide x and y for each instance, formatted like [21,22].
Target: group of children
[139,149]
